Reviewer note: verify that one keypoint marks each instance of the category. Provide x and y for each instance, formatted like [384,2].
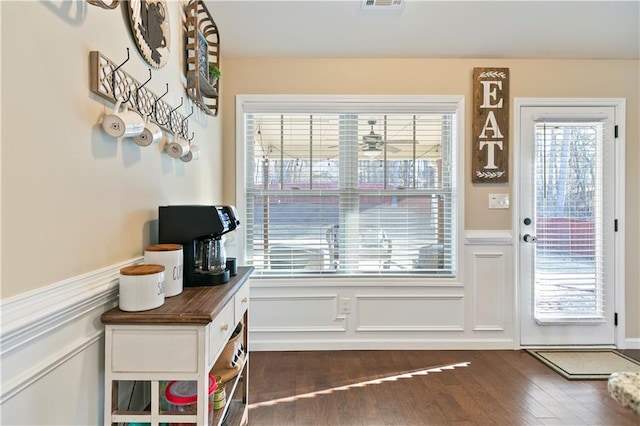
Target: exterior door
[567,225]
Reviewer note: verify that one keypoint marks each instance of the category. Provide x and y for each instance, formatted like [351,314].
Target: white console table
[180,340]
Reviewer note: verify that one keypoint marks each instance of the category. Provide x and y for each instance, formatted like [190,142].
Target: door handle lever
[528,238]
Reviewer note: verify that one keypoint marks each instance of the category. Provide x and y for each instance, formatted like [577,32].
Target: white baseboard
[337,345]
[632,343]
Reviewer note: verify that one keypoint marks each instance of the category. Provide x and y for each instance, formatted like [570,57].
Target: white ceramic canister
[141,287]
[169,255]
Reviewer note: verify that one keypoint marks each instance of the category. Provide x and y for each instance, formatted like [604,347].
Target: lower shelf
[235,411]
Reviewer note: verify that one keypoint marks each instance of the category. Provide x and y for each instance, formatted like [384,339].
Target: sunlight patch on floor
[378,381]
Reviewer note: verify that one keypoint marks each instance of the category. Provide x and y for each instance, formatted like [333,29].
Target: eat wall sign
[490,160]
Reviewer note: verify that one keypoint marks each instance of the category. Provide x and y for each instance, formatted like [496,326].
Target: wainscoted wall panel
[306,313]
[491,284]
[488,284]
[474,310]
[410,312]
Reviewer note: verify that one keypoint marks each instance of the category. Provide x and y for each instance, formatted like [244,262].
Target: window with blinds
[569,275]
[350,188]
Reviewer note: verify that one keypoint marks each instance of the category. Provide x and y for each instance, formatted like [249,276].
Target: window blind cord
[544,160]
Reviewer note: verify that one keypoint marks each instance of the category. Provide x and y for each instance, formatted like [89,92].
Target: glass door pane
[569,265]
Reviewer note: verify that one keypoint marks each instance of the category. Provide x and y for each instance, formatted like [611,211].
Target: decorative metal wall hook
[124,62]
[162,122]
[183,127]
[155,107]
[138,94]
[145,83]
[174,118]
[181,102]
[187,117]
[113,78]
[193,135]
[124,101]
[163,95]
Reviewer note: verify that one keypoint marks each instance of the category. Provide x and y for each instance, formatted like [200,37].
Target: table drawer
[152,350]
[220,330]
[241,301]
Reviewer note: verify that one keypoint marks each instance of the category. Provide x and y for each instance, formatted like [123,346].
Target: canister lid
[164,247]
[186,392]
[141,269]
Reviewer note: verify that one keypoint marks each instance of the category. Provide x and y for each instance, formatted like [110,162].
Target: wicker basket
[230,361]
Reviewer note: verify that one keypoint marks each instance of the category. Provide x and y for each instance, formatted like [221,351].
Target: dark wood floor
[423,388]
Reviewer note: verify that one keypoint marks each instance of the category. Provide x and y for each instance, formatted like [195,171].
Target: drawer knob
[245,299]
[224,326]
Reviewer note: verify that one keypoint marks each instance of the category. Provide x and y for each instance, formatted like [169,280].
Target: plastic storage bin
[182,397]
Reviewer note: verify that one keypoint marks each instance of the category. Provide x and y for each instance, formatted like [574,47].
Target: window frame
[320,103]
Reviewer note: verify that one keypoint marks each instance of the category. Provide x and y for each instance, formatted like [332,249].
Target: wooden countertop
[195,305]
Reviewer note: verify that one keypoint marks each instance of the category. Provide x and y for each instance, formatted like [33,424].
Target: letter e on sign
[490,160]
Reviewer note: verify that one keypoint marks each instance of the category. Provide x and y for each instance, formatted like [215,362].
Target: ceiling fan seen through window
[373,143]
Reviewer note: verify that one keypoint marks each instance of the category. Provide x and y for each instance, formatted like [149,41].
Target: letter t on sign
[490,160]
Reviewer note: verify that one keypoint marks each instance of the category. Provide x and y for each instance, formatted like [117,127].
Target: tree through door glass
[569,271]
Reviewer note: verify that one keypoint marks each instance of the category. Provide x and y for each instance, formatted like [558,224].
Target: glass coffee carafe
[212,256]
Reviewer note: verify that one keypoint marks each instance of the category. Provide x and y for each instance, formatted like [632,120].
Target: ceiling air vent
[382,4]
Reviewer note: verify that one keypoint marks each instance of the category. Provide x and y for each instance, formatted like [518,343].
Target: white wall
[75,201]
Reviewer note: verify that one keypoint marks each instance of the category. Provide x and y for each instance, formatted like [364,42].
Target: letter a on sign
[490,125]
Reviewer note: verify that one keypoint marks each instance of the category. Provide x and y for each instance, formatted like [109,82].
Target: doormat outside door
[592,364]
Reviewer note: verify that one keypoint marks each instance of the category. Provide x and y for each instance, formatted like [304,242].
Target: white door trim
[619,268]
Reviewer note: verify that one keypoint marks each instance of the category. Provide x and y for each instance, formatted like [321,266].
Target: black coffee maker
[199,229]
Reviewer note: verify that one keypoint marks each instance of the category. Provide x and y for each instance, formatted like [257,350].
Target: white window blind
[569,276]
[350,189]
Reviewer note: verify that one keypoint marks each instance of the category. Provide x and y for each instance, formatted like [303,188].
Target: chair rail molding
[28,315]
[488,237]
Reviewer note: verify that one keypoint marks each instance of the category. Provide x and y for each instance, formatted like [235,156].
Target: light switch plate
[498,201]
